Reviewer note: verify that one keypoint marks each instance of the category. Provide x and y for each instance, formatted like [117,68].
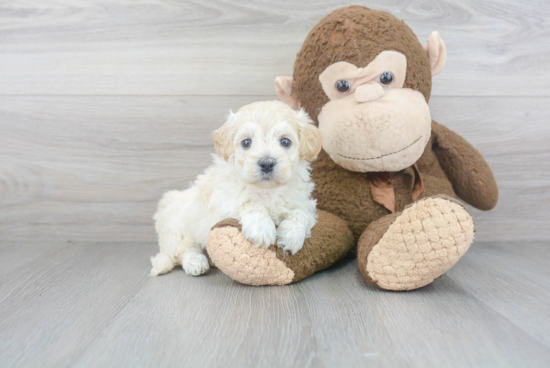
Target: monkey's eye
[342,86]
[386,78]
[285,142]
[246,143]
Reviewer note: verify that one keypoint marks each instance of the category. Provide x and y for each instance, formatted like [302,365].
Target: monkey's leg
[410,249]
[249,264]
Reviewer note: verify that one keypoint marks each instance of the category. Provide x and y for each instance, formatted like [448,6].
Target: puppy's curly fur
[261,177]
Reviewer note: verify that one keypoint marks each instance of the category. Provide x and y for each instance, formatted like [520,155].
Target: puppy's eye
[386,78]
[342,86]
[285,142]
[246,143]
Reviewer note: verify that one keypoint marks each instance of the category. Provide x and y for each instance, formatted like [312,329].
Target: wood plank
[71,166]
[441,325]
[16,256]
[52,309]
[496,47]
[92,304]
[209,321]
[509,278]
[93,168]
[332,319]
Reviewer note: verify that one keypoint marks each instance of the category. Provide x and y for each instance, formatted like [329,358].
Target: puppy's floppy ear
[310,137]
[223,137]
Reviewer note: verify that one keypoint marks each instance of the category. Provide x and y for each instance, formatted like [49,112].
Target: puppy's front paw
[291,236]
[261,231]
[195,264]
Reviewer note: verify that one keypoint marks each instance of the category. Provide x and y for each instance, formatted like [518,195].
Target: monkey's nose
[267,164]
[369,92]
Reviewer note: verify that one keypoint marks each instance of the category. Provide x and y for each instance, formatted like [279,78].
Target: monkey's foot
[408,250]
[250,264]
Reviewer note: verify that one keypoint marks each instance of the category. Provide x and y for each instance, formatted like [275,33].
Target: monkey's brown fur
[347,194]
[449,166]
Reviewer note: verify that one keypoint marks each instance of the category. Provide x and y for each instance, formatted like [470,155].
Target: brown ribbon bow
[381,187]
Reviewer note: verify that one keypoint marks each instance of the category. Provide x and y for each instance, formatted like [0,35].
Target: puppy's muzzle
[267,164]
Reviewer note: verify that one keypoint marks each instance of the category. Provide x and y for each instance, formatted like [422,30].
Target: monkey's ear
[311,140]
[436,51]
[286,91]
[223,137]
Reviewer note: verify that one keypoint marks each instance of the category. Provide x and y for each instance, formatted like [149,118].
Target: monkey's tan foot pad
[243,261]
[417,246]
[250,264]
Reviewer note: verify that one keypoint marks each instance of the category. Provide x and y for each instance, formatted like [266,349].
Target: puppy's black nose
[267,164]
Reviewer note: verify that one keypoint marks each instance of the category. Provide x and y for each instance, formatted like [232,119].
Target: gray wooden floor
[93,305]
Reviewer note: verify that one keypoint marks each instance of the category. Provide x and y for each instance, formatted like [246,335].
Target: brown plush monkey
[387,176]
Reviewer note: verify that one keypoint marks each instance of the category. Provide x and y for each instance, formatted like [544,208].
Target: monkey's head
[365,79]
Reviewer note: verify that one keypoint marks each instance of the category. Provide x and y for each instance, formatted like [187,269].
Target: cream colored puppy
[260,177]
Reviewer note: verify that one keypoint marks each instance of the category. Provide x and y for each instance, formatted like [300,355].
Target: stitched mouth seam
[387,154]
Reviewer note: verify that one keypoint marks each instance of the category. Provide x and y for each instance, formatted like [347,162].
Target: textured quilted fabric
[426,240]
[244,262]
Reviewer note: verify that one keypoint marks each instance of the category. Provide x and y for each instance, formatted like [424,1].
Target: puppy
[260,177]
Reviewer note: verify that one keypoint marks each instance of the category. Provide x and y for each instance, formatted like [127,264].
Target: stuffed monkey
[387,177]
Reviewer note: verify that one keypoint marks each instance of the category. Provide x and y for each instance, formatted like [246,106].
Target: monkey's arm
[468,172]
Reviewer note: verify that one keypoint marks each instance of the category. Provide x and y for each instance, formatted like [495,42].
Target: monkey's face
[371,122]
[364,77]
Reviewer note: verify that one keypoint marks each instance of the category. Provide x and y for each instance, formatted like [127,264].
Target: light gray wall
[106,104]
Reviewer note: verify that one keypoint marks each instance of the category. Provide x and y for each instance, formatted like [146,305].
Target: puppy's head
[266,140]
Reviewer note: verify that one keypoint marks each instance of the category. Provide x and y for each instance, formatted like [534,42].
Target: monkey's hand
[468,172]
[247,263]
